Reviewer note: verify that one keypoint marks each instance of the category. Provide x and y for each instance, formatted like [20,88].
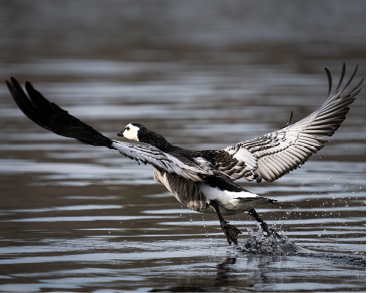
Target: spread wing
[275,154]
[51,117]
[149,154]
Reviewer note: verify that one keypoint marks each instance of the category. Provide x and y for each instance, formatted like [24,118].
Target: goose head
[132,131]
[137,132]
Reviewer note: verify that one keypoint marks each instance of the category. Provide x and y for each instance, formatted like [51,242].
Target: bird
[204,180]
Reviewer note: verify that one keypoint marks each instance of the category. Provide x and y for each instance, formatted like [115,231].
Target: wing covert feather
[275,154]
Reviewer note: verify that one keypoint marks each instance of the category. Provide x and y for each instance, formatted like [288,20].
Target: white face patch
[131,132]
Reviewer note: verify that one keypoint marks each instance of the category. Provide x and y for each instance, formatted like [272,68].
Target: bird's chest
[185,191]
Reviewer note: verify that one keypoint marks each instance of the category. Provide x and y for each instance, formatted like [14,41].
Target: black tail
[52,117]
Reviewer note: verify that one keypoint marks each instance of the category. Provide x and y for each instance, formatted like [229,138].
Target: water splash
[274,244]
[279,244]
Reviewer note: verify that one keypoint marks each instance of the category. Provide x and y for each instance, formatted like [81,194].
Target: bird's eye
[127,128]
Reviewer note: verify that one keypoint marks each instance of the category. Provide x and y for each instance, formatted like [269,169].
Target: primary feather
[275,154]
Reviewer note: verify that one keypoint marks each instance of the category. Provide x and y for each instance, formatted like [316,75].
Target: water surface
[205,75]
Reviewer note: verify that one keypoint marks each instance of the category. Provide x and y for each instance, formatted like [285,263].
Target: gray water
[204,74]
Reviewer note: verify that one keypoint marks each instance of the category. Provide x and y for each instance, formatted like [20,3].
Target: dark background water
[205,74]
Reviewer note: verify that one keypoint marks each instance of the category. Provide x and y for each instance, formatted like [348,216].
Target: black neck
[154,139]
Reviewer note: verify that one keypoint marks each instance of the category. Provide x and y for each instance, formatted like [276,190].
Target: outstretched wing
[51,117]
[277,153]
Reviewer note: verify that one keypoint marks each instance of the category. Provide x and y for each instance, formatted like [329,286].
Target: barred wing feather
[275,154]
[149,154]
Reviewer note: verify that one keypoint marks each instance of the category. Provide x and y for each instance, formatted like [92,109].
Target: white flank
[230,200]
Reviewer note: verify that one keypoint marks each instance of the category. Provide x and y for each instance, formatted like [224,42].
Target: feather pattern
[275,154]
[149,154]
[185,191]
[51,117]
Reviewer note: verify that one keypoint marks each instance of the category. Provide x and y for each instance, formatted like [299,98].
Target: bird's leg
[263,224]
[230,231]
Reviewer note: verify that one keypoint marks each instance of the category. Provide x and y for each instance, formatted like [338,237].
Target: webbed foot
[231,232]
[269,231]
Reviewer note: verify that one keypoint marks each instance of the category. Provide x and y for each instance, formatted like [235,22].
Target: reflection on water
[205,75]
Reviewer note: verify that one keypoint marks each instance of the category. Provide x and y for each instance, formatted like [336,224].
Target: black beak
[120,134]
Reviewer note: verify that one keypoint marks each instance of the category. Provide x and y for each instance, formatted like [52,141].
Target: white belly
[232,202]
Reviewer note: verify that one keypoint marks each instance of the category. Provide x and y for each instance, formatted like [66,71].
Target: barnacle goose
[204,180]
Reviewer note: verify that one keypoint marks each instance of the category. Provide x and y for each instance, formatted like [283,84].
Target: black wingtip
[291,117]
[341,78]
[14,81]
[11,82]
[53,118]
[28,85]
[289,122]
[351,78]
[9,85]
[329,76]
